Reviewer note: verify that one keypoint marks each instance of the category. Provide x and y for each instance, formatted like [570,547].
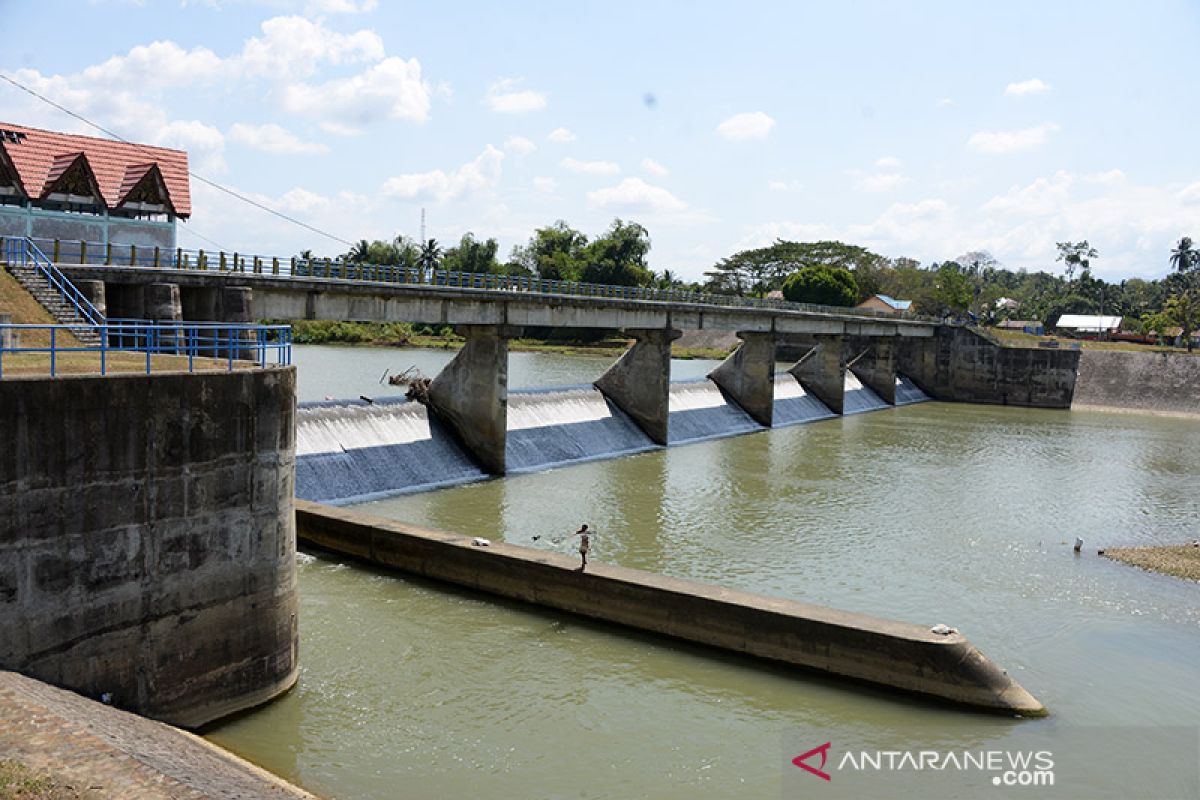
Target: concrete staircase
[36,284]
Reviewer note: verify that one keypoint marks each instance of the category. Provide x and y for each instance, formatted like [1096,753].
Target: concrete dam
[351,451]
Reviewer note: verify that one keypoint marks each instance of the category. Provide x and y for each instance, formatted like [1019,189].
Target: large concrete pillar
[161,303]
[640,382]
[237,304]
[822,372]
[471,394]
[875,366]
[748,375]
[93,290]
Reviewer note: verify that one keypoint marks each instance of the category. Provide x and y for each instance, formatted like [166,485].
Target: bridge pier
[237,308]
[471,394]
[93,290]
[875,366]
[640,382]
[822,372]
[162,304]
[748,375]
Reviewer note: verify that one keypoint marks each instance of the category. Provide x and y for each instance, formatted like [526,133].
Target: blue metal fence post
[53,354]
[104,349]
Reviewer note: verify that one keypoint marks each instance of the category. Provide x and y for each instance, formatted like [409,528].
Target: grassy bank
[1182,561]
[400,334]
[1011,338]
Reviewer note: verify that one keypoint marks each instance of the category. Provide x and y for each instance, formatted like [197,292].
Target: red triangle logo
[819,772]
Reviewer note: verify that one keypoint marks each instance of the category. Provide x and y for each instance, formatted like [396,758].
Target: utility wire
[200,178]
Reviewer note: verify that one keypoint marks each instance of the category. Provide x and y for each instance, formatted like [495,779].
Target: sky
[917,129]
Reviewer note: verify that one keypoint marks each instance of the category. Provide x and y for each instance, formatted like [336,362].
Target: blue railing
[231,346]
[80,252]
[24,252]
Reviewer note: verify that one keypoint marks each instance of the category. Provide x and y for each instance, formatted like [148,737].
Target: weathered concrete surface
[284,297]
[470,394]
[147,539]
[94,291]
[822,371]
[748,376]
[119,755]
[640,382]
[874,364]
[162,302]
[1165,383]
[962,365]
[881,651]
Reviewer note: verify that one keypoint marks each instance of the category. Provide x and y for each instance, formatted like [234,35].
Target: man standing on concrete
[584,545]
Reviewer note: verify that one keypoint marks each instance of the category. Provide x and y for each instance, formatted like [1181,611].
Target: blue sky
[919,129]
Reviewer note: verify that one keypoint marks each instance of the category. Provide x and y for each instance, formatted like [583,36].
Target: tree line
[973,284]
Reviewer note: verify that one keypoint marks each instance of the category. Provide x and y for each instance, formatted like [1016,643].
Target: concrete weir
[879,651]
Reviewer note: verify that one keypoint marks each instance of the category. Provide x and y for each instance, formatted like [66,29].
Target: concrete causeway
[886,652]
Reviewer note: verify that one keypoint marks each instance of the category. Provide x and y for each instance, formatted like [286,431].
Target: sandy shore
[1182,561]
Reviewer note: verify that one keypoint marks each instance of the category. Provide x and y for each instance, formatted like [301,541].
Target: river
[930,513]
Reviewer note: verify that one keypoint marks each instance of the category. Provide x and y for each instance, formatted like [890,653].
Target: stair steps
[63,312]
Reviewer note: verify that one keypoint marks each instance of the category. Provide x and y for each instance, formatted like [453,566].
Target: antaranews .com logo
[1006,767]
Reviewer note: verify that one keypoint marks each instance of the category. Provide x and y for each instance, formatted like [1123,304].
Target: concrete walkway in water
[103,752]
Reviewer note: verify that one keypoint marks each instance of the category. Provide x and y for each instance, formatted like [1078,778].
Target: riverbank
[1181,561]
[67,746]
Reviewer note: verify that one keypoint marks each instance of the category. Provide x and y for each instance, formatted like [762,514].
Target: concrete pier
[93,290]
[748,376]
[875,365]
[640,382]
[822,372]
[470,394]
[886,652]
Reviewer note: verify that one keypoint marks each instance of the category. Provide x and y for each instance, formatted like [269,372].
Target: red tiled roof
[42,156]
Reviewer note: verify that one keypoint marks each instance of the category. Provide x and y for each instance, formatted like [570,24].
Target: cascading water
[908,392]
[858,398]
[699,410]
[564,426]
[794,405]
[350,451]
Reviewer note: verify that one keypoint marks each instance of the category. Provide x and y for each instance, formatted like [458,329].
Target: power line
[198,177]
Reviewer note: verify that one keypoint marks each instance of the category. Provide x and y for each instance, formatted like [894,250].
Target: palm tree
[360,252]
[1185,259]
[431,254]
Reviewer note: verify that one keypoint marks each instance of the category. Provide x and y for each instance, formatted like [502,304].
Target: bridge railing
[80,252]
[25,252]
[166,347]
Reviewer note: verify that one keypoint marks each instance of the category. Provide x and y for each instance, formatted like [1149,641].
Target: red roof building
[55,185]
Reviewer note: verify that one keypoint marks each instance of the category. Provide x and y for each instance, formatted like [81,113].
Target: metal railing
[24,252]
[91,253]
[203,344]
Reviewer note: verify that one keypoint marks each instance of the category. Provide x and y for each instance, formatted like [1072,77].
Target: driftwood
[417,383]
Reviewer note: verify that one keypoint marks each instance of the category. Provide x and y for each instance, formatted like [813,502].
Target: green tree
[554,252]
[618,257]
[1183,306]
[1075,255]
[823,285]
[472,255]
[952,289]
[429,257]
[761,270]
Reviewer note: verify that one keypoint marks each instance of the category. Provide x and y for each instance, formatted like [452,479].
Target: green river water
[930,513]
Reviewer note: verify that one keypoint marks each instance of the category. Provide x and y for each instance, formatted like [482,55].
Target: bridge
[470,394]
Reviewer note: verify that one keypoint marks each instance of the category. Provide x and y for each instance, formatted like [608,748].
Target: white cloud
[1011,141]
[338,129]
[591,167]
[390,89]
[1043,197]
[750,125]
[545,185]
[293,47]
[156,66]
[881,182]
[316,7]
[654,168]
[887,162]
[778,186]
[633,195]
[203,142]
[519,146]
[561,135]
[945,102]
[479,174]
[1022,88]
[505,97]
[1190,194]
[271,138]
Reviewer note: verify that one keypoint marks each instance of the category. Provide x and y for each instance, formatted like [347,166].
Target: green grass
[18,782]
[1011,338]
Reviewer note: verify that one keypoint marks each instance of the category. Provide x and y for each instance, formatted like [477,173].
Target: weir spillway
[353,451]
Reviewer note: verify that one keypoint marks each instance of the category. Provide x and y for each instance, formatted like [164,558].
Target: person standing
[585,544]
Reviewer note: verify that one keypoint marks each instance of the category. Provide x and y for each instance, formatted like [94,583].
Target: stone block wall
[147,543]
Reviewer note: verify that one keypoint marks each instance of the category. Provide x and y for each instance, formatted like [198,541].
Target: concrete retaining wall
[881,651]
[961,365]
[147,543]
[1157,382]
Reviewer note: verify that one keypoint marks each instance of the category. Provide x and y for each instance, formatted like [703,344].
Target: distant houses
[1023,325]
[1088,325]
[885,304]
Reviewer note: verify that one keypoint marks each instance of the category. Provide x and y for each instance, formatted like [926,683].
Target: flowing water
[928,513]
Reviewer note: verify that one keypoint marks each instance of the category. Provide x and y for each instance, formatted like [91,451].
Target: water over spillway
[794,405]
[908,392]
[858,398]
[350,451]
[699,410]
[554,427]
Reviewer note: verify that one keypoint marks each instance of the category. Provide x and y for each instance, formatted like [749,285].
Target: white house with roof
[1088,324]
